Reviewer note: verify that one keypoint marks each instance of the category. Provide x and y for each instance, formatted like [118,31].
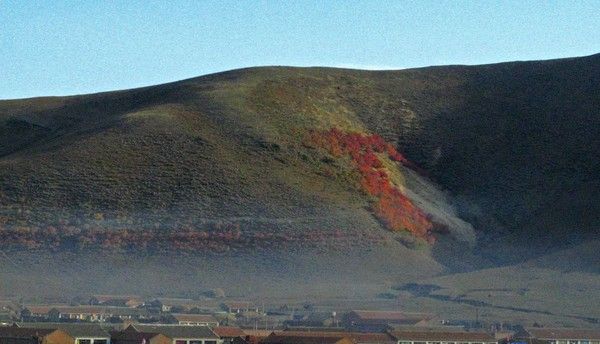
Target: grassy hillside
[229,148]
[498,157]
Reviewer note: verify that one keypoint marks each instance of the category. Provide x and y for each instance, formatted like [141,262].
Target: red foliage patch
[392,207]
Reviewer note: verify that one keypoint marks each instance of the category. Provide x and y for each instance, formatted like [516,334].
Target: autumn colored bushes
[391,206]
[183,240]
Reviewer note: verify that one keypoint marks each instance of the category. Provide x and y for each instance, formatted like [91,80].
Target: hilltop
[409,173]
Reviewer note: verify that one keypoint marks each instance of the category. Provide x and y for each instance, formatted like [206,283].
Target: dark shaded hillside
[515,144]
[522,145]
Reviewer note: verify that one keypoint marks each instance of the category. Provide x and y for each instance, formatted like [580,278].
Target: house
[195,319]
[181,334]
[543,335]
[378,321]
[178,305]
[230,334]
[131,301]
[87,313]
[8,306]
[372,338]
[237,306]
[19,335]
[417,336]
[356,337]
[8,311]
[310,319]
[295,338]
[254,336]
[80,332]
[131,336]
[6,318]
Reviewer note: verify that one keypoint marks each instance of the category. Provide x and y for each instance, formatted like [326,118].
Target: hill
[410,173]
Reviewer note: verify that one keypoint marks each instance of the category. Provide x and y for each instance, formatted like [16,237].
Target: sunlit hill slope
[432,166]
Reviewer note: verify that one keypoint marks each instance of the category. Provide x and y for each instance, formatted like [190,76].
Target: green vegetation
[510,149]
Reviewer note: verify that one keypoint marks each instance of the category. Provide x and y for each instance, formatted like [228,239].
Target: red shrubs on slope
[392,207]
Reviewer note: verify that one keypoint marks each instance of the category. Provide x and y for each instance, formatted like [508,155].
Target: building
[230,334]
[132,301]
[541,335]
[254,336]
[81,333]
[8,312]
[310,319]
[131,336]
[416,336]
[356,337]
[19,335]
[181,334]
[195,319]
[378,321]
[179,305]
[87,313]
[295,338]
[238,306]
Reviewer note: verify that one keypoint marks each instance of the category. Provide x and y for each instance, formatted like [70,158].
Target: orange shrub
[392,207]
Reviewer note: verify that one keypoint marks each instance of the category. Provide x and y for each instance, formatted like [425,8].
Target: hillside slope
[230,149]
[243,162]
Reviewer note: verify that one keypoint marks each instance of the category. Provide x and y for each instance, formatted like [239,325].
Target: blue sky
[55,47]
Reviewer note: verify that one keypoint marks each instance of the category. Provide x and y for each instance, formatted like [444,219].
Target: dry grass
[515,145]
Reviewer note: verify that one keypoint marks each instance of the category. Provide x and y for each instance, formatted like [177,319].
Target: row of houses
[394,337]
[65,333]
[58,313]
[169,304]
[542,335]
[377,321]
[103,314]
[69,333]
[240,313]
[107,308]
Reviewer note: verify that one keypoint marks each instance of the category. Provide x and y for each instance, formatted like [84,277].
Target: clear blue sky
[56,47]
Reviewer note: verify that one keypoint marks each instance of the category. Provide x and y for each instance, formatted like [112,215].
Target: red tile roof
[257,333]
[229,331]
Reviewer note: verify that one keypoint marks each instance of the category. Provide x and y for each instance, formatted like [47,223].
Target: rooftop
[282,338]
[76,330]
[44,309]
[358,337]
[21,332]
[178,331]
[455,336]
[206,318]
[229,331]
[132,335]
[238,304]
[564,333]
